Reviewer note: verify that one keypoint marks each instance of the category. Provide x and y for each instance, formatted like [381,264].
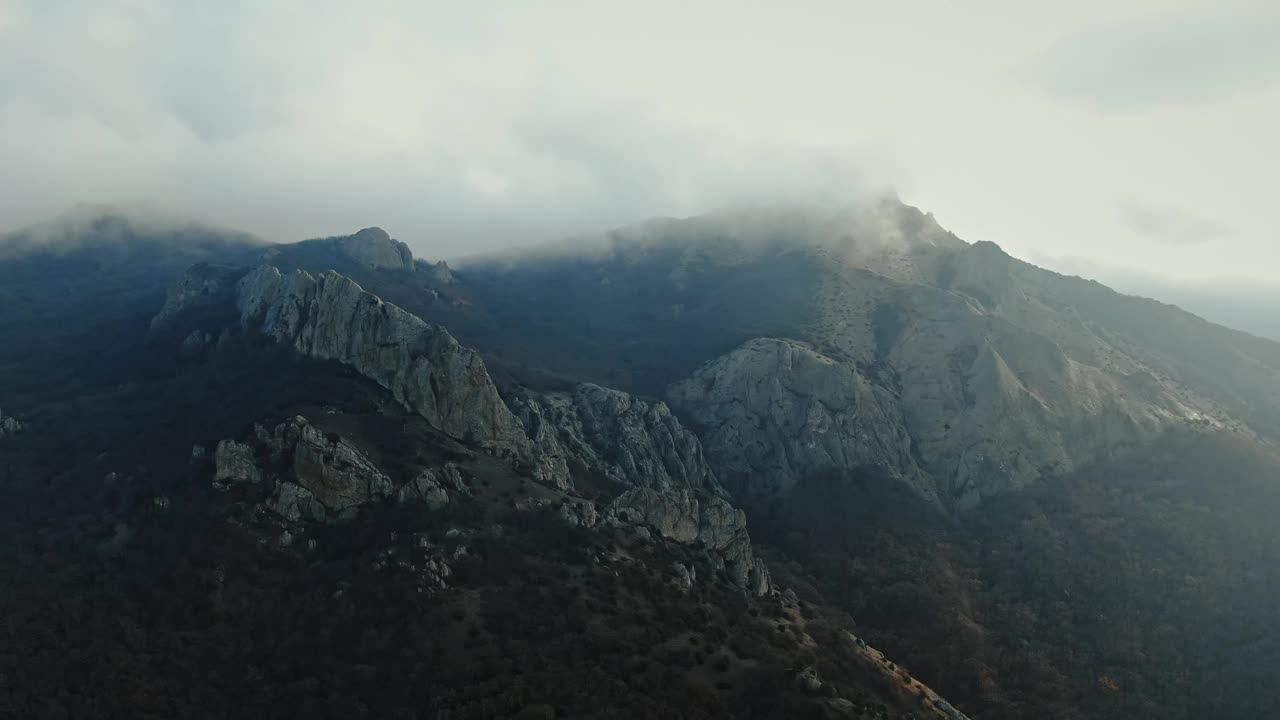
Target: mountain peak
[373,234]
[374,247]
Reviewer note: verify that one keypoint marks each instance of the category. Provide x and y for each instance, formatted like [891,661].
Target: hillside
[749,464]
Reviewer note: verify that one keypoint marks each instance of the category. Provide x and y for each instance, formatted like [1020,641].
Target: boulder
[433,487]
[234,463]
[310,474]
[336,472]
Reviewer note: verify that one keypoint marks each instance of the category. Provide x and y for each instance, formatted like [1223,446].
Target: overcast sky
[1134,134]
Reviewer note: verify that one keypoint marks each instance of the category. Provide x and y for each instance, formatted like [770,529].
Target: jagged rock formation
[775,411]
[433,487]
[606,433]
[696,519]
[996,384]
[630,441]
[439,272]
[333,470]
[311,474]
[9,426]
[965,425]
[642,447]
[314,476]
[330,317]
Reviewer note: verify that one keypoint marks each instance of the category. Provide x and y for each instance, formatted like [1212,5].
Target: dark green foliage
[1139,590]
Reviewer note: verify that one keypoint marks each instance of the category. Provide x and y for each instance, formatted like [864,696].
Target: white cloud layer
[468,126]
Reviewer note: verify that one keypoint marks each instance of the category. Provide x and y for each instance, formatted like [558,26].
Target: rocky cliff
[330,317]
[614,440]
[774,411]
[697,519]
[640,448]
[629,441]
[998,382]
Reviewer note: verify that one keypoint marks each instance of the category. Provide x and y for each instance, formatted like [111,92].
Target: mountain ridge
[1021,484]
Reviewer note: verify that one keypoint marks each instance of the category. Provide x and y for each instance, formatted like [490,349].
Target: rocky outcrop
[439,272]
[969,422]
[699,519]
[433,487]
[774,411]
[9,425]
[330,317]
[203,286]
[316,476]
[336,473]
[634,444]
[629,441]
[295,503]
[235,463]
[374,248]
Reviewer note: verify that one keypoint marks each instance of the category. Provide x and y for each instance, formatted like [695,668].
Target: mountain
[959,369]
[319,503]
[748,464]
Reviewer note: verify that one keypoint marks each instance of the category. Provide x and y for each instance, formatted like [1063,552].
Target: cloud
[1193,58]
[293,120]
[1170,226]
[465,127]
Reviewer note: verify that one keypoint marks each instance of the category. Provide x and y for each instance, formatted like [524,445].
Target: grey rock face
[374,248]
[310,475]
[628,440]
[433,487]
[296,503]
[234,463]
[636,444]
[965,425]
[334,471]
[706,521]
[9,425]
[331,317]
[673,514]
[314,476]
[776,410]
